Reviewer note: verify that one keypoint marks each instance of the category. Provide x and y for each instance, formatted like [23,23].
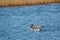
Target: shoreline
[4,3]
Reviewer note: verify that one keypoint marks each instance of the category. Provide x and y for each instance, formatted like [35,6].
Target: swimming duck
[35,28]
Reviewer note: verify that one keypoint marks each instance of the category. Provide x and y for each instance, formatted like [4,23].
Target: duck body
[35,28]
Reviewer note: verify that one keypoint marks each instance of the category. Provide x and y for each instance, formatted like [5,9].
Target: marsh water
[15,22]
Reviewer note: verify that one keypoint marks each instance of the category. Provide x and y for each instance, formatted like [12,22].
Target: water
[15,22]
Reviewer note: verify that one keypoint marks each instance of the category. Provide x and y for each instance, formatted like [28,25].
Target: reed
[25,2]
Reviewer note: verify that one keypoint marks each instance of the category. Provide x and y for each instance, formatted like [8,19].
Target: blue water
[15,22]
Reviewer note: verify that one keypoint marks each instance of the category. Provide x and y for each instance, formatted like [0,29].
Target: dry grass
[26,2]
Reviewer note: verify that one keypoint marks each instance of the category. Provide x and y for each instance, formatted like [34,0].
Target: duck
[36,27]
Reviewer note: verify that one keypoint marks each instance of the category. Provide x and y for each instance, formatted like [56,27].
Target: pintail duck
[35,28]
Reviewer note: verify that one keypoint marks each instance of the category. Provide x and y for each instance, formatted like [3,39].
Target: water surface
[15,22]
